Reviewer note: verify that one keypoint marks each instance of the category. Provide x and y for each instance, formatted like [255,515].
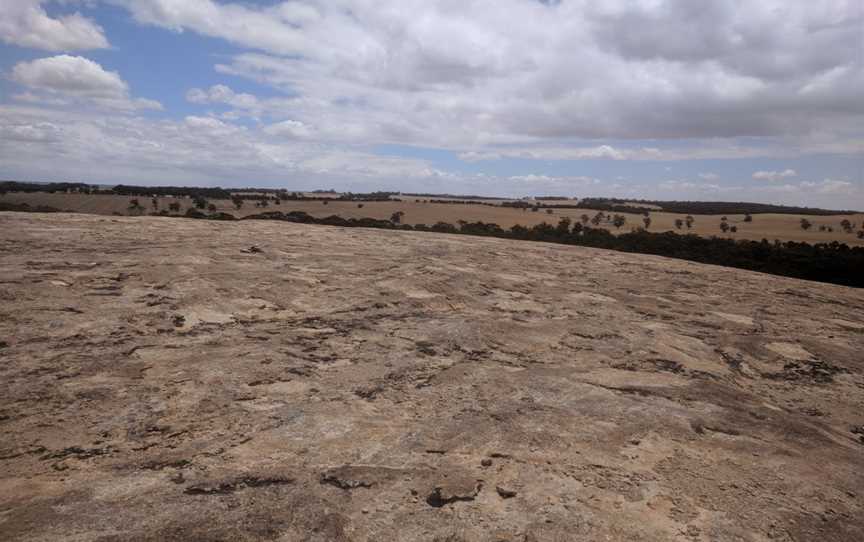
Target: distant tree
[200,202]
[549,211]
[237,201]
[174,207]
[563,227]
[618,221]
[679,223]
[689,220]
[598,218]
[396,217]
[134,206]
[647,222]
[584,219]
[861,234]
[211,207]
[723,219]
[265,203]
[830,229]
[734,229]
[277,201]
[823,227]
[748,217]
[846,225]
[359,205]
[724,226]
[806,224]
[155,203]
[535,209]
[325,202]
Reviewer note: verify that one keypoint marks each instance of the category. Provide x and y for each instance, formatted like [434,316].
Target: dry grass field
[764,226]
[160,381]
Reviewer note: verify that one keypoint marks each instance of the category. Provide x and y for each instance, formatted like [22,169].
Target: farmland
[771,226]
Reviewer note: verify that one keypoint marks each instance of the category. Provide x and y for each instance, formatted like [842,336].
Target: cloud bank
[25,23]
[326,83]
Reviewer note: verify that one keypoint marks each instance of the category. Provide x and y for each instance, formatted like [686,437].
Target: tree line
[701,207]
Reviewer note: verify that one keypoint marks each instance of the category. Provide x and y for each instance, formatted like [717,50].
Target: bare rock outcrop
[160,380]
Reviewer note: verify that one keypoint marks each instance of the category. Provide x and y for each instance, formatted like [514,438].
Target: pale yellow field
[764,226]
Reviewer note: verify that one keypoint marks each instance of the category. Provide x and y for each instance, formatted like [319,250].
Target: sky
[735,100]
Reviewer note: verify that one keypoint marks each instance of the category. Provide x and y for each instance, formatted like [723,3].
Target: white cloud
[195,148]
[221,94]
[25,23]
[691,187]
[426,73]
[212,127]
[830,186]
[75,78]
[774,175]
[487,79]
[70,75]
[696,149]
[289,128]
[50,144]
[549,153]
[39,132]
[553,181]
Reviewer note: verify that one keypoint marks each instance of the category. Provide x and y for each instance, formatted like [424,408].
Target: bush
[222,216]
[192,212]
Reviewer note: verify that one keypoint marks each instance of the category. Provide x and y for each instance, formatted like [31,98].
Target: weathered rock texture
[158,382]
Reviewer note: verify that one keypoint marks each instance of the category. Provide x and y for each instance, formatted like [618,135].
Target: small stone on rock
[504,492]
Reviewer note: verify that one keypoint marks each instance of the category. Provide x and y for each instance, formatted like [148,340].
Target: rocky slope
[172,379]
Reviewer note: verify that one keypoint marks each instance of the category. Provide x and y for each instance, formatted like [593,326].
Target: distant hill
[703,207]
[596,203]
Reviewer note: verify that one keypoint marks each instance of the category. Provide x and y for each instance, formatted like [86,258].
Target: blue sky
[652,99]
